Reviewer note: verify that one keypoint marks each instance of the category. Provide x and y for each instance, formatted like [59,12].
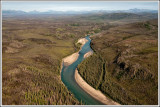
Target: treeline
[92,74]
[123,67]
[93,70]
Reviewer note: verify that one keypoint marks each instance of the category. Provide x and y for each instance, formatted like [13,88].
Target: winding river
[67,76]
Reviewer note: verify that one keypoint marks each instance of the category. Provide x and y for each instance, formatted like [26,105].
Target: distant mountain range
[135,10]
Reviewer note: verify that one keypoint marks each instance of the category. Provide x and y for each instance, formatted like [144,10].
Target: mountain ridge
[135,10]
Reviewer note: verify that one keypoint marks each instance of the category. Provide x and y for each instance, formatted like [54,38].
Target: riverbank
[70,59]
[88,54]
[73,57]
[90,90]
[96,94]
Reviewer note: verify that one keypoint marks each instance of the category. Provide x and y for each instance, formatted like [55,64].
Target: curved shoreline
[66,62]
[88,54]
[98,95]
[73,57]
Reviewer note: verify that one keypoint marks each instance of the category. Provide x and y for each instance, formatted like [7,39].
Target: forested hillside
[124,65]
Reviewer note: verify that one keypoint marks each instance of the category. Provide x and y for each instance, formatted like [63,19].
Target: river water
[67,76]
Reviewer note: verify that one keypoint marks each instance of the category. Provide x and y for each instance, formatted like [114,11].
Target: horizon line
[77,10]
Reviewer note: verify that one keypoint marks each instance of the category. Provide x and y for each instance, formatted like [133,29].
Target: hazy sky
[76,5]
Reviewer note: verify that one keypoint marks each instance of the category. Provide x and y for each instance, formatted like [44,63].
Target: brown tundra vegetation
[126,56]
